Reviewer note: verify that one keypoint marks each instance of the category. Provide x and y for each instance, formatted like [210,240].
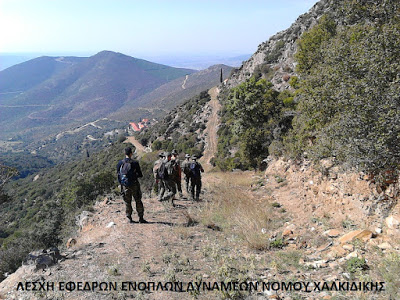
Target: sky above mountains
[143,28]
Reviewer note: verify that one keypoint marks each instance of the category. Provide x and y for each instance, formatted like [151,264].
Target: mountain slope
[274,58]
[173,93]
[26,75]
[181,129]
[81,92]
[345,99]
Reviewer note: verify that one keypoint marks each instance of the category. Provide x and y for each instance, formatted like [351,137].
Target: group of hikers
[167,171]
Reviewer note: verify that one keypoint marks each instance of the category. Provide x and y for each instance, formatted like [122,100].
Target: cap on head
[194,157]
[161,154]
[187,156]
[174,152]
[128,151]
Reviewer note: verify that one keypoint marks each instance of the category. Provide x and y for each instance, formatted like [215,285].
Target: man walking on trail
[159,182]
[166,175]
[186,171]
[129,171]
[177,172]
[195,178]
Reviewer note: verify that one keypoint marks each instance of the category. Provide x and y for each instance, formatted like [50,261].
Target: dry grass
[253,225]
[233,209]
[284,261]
[183,233]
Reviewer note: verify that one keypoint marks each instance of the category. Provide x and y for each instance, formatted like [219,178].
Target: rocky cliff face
[274,58]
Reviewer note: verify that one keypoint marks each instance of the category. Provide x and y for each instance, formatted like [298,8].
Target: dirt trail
[139,147]
[184,82]
[212,128]
[109,249]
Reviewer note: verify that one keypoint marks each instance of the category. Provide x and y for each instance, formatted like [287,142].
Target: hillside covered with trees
[343,103]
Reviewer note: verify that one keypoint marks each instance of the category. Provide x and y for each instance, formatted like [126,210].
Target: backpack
[162,171]
[156,166]
[186,168]
[125,173]
[194,169]
[175,169]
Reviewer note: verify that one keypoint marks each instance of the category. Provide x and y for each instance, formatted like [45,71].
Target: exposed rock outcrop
[44,258]
[276,54]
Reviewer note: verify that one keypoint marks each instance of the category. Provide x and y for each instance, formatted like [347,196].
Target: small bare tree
[6,173]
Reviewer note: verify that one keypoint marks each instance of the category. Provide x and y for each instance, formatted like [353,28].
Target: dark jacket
[134,173]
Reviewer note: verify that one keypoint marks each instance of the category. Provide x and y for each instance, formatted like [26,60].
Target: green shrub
[275,53]
[355,265]
[253,115]
[277,244]
[349,91]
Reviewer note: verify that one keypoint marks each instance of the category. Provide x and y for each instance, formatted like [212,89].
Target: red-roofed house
[134,127]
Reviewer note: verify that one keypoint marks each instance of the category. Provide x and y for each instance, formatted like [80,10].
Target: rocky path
[212,128]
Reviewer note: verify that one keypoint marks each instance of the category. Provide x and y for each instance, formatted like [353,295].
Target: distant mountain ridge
[66,90]
[26,75]
[173,93]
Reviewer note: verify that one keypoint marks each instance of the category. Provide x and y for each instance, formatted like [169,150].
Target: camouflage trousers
[178,183]
[195,187]
[170,190]
[187,180]
[161,189]
[135,192]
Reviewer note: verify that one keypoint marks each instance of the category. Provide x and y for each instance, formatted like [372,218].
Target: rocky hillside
[181,129]
[343,101]
[274,58]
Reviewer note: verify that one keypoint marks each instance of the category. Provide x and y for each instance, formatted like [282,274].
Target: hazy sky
[145,27]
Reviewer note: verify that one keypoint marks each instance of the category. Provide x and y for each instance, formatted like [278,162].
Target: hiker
[128,171]
[160,187]
[165,172]
[195,178]
[177,172]
[186,171]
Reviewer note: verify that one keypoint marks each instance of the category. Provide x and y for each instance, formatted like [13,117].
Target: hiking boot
[142,221]
[130,219]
